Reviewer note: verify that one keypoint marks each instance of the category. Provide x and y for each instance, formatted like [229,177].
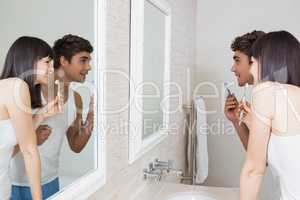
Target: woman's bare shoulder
[263,98]
[12,87]
[264,91]
[11,81]
[265,86]
[8,83]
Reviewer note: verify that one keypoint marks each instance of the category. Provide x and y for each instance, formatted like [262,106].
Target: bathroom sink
[189,196]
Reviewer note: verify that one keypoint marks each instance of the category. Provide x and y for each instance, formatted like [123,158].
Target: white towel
[201,169]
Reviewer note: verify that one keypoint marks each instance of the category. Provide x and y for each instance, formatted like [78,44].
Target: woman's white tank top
[284,160]
[7,142]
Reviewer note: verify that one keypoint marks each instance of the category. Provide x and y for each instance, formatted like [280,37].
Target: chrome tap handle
[150,174]
[163,164]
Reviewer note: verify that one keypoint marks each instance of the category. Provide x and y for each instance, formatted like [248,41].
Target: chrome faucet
[163,165]
[152,173]
[158,167]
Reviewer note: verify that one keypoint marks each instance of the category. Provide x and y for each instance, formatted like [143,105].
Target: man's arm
[42,134]
[79,133]
[231,112]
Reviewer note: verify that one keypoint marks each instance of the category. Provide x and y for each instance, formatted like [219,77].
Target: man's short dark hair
[244,43]
[68,46]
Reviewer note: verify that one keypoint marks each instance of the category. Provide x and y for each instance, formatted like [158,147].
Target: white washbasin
[189,196]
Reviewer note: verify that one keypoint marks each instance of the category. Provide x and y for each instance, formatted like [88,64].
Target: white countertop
[160,191]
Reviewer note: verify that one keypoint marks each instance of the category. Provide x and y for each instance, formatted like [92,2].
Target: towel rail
[190,148]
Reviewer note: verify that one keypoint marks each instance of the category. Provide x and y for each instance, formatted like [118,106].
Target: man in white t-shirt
[71,64]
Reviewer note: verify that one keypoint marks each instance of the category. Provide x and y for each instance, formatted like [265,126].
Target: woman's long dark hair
[20,61]
[278,55]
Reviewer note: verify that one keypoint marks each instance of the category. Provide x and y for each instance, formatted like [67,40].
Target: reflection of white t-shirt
[50,149]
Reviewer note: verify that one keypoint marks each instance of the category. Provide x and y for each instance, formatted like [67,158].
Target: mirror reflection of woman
[27,65]
[72,64]
[273,118]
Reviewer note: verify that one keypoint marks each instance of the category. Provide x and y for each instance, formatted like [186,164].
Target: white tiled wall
[124,179]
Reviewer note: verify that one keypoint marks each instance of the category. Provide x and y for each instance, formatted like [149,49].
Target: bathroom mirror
[153,68]
[149,74]
[80,174]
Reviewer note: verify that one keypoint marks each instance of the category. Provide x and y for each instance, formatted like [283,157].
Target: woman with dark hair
[27,65]
[273,118]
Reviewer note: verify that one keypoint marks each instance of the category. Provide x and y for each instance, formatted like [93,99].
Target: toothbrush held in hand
[243,101]
[59,95]
[226,86]
[242,112]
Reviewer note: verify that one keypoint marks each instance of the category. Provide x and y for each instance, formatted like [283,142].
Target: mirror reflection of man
[241,47]
[71,64]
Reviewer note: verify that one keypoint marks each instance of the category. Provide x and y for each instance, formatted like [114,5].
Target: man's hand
[80,131]
[232,111]
[42,133]
[231,108]
[87,126]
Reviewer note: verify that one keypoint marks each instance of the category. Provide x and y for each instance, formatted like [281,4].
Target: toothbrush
[227,85]
[59,95]
[244,101]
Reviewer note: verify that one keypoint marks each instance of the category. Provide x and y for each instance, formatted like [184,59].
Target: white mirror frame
[86,185]
[137,145]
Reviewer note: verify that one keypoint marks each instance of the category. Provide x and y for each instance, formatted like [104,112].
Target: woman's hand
[49,110]
[52,108]
[245,110]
